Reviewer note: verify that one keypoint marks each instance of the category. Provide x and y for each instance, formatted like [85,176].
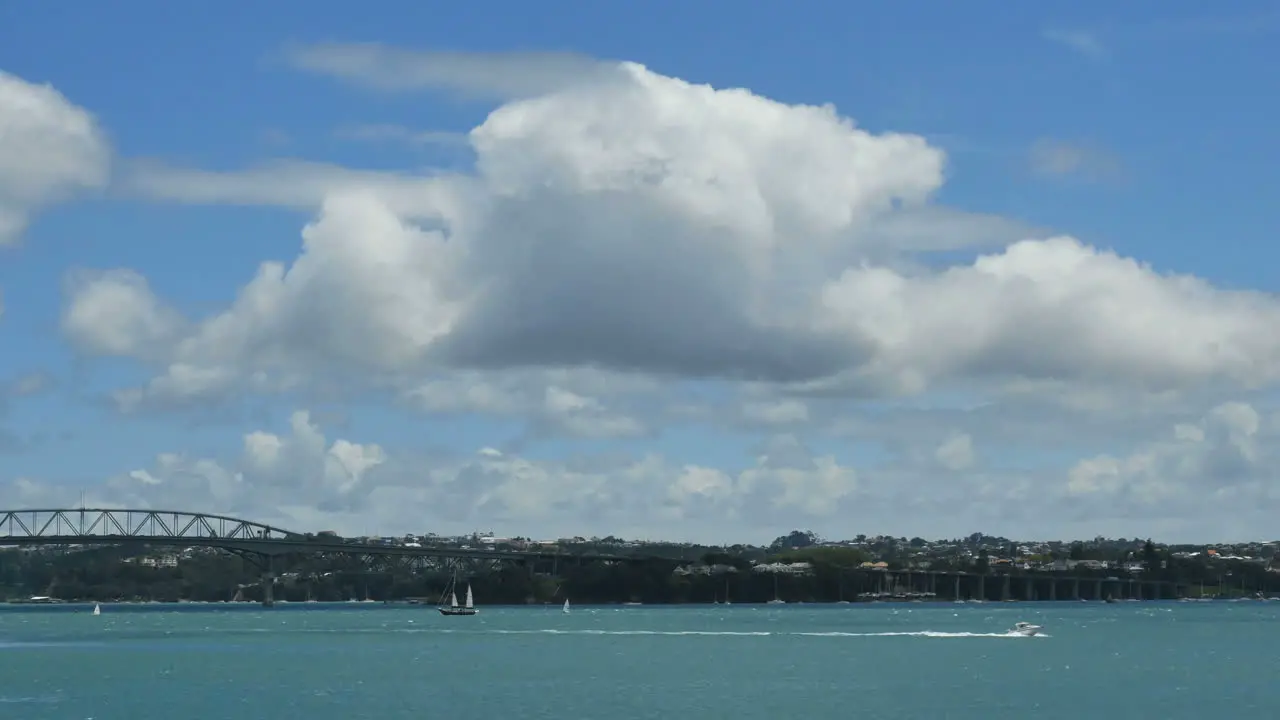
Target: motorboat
[1025,629]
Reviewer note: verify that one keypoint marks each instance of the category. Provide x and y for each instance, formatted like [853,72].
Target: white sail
[566,604]
[97,610]
[470,600]
[453,599]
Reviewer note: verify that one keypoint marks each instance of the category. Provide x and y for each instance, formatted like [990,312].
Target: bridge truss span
[95,525]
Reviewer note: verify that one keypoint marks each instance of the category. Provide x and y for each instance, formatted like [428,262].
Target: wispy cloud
[30,384]
[1049,157]
[1191,28]
[480,75]
[281,183]
[403,135]
[1085,43]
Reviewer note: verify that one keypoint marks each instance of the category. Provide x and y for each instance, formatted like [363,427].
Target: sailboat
[776,599]
[565,609]
[97,609]
[468,608]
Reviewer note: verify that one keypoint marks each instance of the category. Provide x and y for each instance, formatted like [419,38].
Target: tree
[1077,551]
[795,540]
[983,565]
[1150,557]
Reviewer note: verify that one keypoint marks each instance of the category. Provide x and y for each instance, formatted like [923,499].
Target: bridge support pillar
[268,582]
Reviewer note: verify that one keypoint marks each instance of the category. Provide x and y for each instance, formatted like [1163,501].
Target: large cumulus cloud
[638,222]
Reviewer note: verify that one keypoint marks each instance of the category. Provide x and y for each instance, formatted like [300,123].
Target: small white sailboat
[97,609]
[565,609]
[468,608]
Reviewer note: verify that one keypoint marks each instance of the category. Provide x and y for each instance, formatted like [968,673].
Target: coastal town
[1216,567]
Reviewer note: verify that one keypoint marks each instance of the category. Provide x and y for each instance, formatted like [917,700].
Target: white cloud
[956,453]
[403,135]
[783,411]
[486,75]
[1082,42]
[303,481]
[584,416]
[1212,472]
[49,148]
[1058,158]
[24,385]
[1053,309]
[294,184]
[625,238]
[554,402]
[1211,479]
[603,229]
[114,313]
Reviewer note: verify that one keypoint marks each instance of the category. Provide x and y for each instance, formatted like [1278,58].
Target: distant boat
[469,606]
[97,609]
[1025,629]
[38,600]
[565,609]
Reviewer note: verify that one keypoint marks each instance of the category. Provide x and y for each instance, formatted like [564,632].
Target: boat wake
[921,633]
[552,631]
[653,633]
[730,633]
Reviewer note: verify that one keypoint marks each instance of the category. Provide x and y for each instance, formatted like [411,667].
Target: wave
[42,700]
[11,644]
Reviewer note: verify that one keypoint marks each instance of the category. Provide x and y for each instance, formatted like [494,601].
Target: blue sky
[1140,129]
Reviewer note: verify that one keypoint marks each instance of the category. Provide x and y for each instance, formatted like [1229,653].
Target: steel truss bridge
[260,544]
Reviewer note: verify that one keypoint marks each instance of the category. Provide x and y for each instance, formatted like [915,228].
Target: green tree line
[835,574]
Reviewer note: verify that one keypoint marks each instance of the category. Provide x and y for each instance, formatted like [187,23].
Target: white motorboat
[1026,629]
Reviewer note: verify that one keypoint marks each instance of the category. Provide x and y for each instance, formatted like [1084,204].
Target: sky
[696,271]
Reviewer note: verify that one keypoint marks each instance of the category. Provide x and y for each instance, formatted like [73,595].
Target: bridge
[258,543]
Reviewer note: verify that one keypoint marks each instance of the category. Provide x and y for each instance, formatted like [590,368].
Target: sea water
[818,662]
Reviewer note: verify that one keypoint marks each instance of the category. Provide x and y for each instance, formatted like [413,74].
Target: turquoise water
[316,662]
